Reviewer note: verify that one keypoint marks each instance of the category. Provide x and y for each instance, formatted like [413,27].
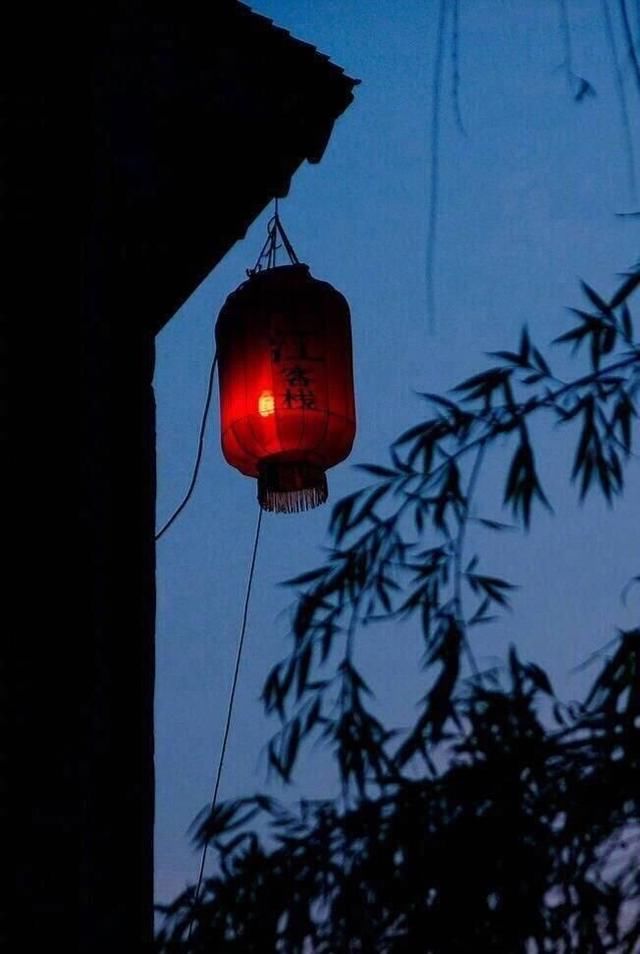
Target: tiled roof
[207,112]
[270,25]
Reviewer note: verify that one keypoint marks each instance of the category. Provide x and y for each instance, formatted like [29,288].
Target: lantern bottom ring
[286,486]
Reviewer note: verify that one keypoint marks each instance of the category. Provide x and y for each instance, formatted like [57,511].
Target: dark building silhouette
[144,139]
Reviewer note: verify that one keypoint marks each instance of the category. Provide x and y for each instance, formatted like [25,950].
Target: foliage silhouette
[530,836]
[502,820]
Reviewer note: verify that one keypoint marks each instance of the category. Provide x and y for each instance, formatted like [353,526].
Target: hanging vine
[448,40]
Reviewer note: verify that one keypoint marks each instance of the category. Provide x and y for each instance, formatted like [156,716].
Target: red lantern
[286,384]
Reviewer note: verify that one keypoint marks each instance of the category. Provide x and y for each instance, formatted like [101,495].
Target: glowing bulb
[266,404]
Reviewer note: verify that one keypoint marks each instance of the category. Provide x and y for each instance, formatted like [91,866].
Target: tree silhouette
[503,820]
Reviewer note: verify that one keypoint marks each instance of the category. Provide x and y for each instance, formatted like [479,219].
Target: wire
[205,413]
[225,737]
[268,252]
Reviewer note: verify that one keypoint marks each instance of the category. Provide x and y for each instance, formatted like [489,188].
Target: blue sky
[527,207]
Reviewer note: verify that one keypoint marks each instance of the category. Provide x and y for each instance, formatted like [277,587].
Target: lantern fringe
[287,487]
[293,501]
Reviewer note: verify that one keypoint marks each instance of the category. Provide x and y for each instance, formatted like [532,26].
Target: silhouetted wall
[144,139]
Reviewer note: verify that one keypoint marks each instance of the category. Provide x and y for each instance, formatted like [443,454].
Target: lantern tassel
[291,487]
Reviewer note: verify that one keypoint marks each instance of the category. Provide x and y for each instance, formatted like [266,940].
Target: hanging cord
[225,737]
[268,254]
[203,424]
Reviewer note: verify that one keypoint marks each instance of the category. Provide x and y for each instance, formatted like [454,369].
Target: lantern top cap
[288,274]
[298,268]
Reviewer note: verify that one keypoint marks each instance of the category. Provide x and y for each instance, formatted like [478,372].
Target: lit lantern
[286,384]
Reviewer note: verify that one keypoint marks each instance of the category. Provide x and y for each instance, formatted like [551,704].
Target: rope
[225,737]
[196,468]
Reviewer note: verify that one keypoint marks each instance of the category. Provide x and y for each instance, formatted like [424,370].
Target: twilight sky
[527,207]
